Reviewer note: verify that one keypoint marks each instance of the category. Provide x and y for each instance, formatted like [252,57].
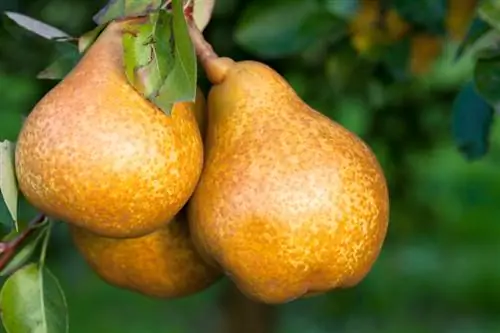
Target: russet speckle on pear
[162,264]
[289,203]
[94,153]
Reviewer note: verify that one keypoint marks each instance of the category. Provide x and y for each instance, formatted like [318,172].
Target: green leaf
[489,11]
[180,84]
[477,29]
[343,9]
[68,57]
[274,29]
[86,40]
[117,9]
[429,14]
[148,53]
[8,183]
[40,28]
[487,76]
[32,301]
[25,252]
[472,120]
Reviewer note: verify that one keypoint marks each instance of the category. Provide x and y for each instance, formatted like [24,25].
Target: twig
[203,49]
[8,249]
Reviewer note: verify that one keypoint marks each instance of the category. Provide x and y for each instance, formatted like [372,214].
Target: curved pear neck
[216,69]
[105,55]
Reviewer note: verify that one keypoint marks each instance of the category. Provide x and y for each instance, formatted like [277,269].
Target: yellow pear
[96,154]
[162,264]
[289,202]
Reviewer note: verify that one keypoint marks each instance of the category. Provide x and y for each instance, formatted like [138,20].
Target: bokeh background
[437,271]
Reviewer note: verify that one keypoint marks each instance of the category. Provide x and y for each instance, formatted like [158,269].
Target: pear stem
[204,51]
[8,249]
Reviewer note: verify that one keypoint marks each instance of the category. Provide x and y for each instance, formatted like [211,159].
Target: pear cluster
[251,184]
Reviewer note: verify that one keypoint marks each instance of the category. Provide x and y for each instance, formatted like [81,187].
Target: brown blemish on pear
[96,154]
[289,203]
[162,264]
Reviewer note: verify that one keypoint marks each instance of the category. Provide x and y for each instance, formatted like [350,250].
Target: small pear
[162,264]
[289,203]
[96,154]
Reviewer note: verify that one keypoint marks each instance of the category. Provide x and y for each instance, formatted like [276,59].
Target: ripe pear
[289,203]
[162,264]
[95,153]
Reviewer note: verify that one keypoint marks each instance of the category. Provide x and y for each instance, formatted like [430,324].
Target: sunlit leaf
[32,301]
[472,120]
[86,40]
[8,183]
[40,28]
[180,84]
[116,9]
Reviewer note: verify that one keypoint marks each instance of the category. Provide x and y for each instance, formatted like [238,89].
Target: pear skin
[96,154]
[289,203]
[163,264]
[200,112]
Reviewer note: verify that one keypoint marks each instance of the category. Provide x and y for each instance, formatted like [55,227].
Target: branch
[8,249]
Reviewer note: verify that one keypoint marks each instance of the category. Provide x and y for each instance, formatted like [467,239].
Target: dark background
[437,271]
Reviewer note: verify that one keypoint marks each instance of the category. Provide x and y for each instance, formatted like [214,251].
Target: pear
[94,153]
[289,203]
[162,264]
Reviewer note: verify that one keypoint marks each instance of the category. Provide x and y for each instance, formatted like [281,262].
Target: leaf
[148,53]
[343,9]
[489,11]
[263,30]
[180,84]
[472,120]
[86,40]
[487,76]
[117,9]
[8,183]
[477,29]
[68,57]
[23,255]
[42,29]
[202,12]
[425,13]
[32,301]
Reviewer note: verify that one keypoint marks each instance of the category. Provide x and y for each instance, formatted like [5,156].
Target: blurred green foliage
[437,271]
